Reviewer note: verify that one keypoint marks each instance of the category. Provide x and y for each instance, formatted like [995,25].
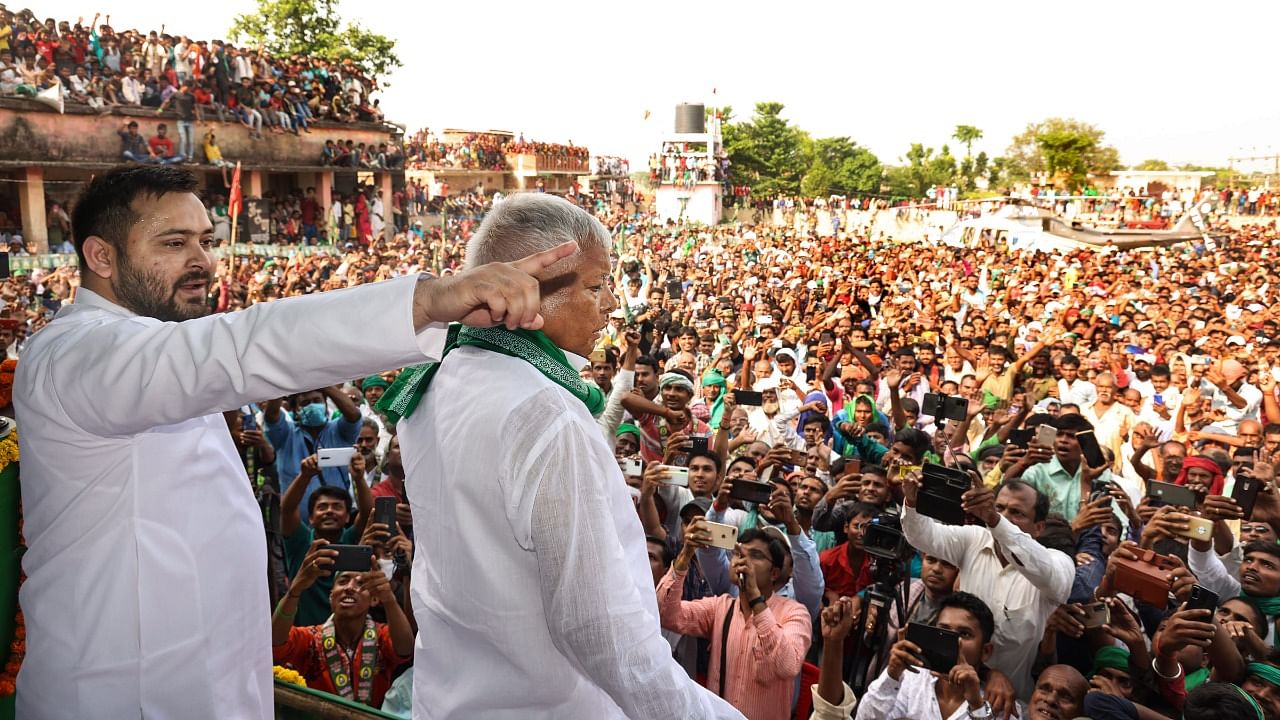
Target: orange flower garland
[7,368]
[17,648]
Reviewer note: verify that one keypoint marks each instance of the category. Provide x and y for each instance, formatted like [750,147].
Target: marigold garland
[281,673]
[17,648]
[7,368]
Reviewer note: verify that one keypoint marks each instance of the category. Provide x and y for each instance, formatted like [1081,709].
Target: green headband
[1267,672]
[627,428]
[1113,657]
[374,381]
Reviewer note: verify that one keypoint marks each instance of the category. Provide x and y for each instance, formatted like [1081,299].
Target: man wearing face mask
[311,429]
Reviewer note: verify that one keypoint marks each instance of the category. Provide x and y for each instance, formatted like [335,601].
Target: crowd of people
[1049,480]
[489,151]
[97,66]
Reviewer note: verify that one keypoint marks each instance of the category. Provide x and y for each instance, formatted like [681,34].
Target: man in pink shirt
[766,638]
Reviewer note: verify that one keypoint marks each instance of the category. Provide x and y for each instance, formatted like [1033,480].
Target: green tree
[1152,164]
[1060,146]
[767,153]
[967,134]
[852,168]
[819,181]
[313,28]
[922,169]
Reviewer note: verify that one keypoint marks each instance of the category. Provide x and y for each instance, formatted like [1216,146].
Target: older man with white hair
[532,586]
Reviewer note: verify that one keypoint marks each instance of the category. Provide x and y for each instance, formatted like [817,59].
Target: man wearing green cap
[532,565]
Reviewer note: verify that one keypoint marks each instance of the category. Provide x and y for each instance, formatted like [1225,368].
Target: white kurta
[531,580]
[147,588]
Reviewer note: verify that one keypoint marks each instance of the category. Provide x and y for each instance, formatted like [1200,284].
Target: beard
[145,293]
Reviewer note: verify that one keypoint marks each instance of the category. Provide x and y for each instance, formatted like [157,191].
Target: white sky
[1180,81]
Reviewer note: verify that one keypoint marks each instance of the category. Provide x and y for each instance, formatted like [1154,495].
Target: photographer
[906,689]
[1001,563]
[758,639]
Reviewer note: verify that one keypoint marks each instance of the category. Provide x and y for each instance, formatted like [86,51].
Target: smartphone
[811,373]
[631,467]
[748,397]
[932,405]
[1099,488]
[955,408]
[1021,437]
[335,457]
[939,648]
[674,289]
[752,492]
[1245,493]
[1047,435]
[1202,598]
[941,488]
[700,445]
[799,458]
[1157,399]
[351,558]
[675,475]
[1090,448]
[723,536]
[1198,528]
[1170,494]
[853,466]
[384,511]
[1096,615]
[247,421]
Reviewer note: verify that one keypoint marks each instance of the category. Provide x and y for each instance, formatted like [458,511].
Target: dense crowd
[489,151]
[1054,474]
[97,66]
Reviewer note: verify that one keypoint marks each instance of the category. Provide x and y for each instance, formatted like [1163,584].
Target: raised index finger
[540,261]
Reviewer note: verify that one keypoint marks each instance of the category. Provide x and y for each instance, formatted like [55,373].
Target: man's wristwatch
[982,713]
[757,602]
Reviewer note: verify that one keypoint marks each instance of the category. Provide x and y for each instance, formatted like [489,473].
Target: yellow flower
[284,674]
[9,449]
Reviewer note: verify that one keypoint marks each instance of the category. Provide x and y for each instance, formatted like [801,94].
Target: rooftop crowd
[1102,542]
[98,66]
[488,151]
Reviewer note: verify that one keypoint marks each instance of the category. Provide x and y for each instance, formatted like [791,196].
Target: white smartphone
[674,475]
[631,467]
[1046,435]
[335,457]
[723,536]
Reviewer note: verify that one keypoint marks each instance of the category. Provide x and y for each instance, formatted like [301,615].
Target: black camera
[884,538]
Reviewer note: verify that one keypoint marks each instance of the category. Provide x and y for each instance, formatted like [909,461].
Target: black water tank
[691,118]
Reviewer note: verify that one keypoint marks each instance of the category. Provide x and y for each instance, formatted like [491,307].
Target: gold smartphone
[1198,528]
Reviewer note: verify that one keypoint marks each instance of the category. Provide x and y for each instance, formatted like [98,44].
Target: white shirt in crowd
[1232,415]
[1021,595]
[532,586]
[912,697]
[1081,392]
[146,593]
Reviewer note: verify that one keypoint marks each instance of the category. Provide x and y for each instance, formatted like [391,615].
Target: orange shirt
[304,653]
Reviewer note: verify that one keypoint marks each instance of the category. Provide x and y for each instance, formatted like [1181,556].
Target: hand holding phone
[384,511]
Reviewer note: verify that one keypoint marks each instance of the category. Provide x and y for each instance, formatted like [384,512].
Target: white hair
[528,223]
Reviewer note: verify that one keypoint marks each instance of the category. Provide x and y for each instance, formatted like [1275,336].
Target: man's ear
[99,256]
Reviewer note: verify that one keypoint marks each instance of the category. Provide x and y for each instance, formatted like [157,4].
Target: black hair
[1072,423]
[918,440]
[878,427]
[1259,619]
[1261,546]
[742,459]
[1037,419]
[668,555]
[649,361]
[105,206]
[1271,428]
[1070,360]
[875,470]
[777,553]
[975,607]
[1160,370]
[1042,500]
[1218,701]
[713,457]
[330,491]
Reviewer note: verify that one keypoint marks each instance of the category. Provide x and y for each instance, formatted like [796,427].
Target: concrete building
[46,157]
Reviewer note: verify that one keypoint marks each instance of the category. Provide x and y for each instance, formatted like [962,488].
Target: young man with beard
[347,654]
[124,391]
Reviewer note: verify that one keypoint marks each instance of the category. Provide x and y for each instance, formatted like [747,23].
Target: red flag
[236,199]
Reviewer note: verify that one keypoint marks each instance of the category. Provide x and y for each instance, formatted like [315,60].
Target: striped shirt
[765,651]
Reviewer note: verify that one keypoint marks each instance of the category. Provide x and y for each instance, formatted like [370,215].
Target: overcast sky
[1180,81]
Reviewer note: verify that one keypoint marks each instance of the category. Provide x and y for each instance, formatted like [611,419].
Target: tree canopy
[313,28]
[1065,148]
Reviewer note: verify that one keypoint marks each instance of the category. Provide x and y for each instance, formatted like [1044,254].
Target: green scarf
[1270,605]
[532,346]
[715,377]
[1265,671]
